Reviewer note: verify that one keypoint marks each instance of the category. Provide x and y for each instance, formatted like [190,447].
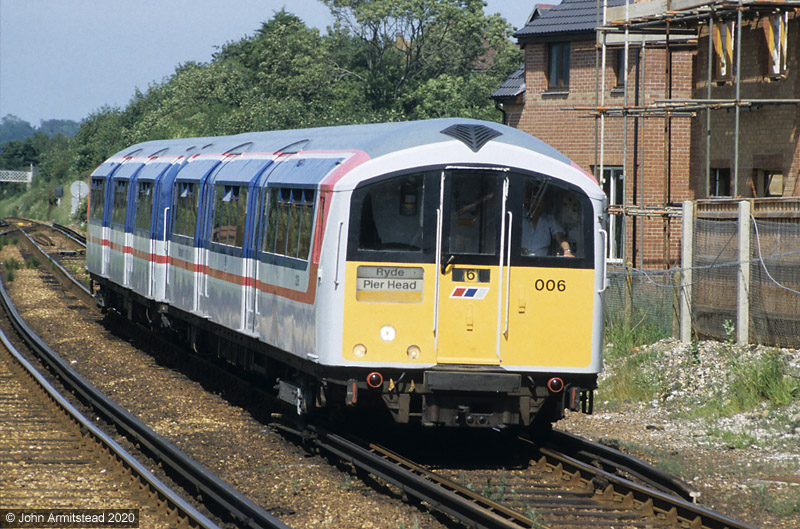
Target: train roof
[373,139]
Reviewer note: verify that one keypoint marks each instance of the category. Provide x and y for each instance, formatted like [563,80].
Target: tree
[53,127]
[14,128]
[394,47]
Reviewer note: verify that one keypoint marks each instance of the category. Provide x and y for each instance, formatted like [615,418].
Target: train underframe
[447,395]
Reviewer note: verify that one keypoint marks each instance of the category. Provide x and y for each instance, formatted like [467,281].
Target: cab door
[473,226]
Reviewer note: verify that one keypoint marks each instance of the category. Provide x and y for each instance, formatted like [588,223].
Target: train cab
[483,277]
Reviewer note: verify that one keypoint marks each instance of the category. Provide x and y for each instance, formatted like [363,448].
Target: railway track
[217,494]
[53,458]
[569,483]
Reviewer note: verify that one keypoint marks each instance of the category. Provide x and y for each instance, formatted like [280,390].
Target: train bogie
[449,270]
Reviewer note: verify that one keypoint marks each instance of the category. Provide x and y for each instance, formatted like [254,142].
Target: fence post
[687,246]
[743,291]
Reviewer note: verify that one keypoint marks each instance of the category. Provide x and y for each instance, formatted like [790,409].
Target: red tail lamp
[375,380]
[555,384]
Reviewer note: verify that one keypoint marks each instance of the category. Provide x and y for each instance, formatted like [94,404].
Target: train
[445,272]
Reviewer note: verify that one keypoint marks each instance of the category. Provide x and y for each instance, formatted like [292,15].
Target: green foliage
[762,379]
[11,266]
[14,128]
[393,48]
[623,335]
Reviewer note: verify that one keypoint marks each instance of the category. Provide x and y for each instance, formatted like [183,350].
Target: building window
[619,67]
[722,35]
[768,183]
[719,184]
[614,187]
[775,33]
[558,71]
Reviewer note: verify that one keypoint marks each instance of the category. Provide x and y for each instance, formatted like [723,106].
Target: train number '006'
[550,285]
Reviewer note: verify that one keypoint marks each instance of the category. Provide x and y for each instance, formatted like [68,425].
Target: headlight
[413,352]
[360,350]
[388,333]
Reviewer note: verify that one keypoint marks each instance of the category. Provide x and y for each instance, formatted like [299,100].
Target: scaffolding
[673,25]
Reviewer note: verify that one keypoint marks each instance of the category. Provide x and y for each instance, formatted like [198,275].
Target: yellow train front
[470,276]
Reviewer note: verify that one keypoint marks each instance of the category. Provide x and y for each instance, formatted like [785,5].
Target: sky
[64,59]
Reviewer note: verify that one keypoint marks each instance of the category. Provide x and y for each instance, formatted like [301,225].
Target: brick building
[662,129]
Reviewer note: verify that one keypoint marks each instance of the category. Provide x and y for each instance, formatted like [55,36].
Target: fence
[740,276]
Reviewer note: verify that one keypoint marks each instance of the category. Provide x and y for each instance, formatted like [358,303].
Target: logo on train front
[469,292]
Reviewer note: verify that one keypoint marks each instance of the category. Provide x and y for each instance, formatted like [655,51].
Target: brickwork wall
[769,136]
[663,174]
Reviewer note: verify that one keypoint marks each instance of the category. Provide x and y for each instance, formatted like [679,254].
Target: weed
[535,517]
[633,380]
[621,337]
[730,331]
[783,504]
[766,378]
[32,262]
[694,351]
[495,492]
[9,275]
[731,439]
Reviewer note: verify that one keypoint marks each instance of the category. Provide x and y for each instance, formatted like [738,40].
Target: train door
[472,226]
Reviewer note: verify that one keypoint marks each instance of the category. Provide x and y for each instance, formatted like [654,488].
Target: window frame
[119,202]
[185,193]
[287,222]
[724,49]
[558,65]
[144,206]
[97,198]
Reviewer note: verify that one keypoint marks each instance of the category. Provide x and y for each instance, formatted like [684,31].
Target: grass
[762,379]
[630,379]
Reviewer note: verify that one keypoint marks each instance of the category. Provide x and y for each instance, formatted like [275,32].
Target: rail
[172,460]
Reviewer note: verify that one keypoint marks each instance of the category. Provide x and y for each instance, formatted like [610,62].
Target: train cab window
[474,214]
[120,202]
[554,221]
[288,217]
[97,198]
[391,215]
[186,201]
[230,211]
[144,206]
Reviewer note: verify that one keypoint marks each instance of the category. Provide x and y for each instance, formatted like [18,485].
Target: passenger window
[120,202]
[553,221]
[185,209]
[392,216]
[97,198]
[144,205]
[288,218]
[230,212]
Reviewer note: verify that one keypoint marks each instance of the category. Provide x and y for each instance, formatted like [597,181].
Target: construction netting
[649,297]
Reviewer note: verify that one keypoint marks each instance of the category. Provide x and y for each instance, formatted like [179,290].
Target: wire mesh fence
[653,298]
